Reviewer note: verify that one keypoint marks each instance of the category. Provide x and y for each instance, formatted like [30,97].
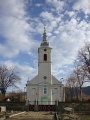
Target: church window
[45,90]
[55,90]
[45,57]
[33,91]
[45,49]
[45,77]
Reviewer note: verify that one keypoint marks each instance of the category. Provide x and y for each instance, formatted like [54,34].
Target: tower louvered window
[45,57]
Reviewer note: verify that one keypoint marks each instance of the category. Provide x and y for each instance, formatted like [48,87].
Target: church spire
[44,34]
[44,42]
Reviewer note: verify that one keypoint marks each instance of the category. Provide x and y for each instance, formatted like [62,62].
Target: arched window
[33,91]
[45,57]
[55,90]
[45,90]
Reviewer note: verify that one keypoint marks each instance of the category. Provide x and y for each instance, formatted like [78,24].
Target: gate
[41,106]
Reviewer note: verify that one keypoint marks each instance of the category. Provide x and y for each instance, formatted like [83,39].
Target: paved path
[33,116]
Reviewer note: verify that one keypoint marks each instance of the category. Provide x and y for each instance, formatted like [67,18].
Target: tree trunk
[76,93]
[71,93]
[3,96]
[80,93]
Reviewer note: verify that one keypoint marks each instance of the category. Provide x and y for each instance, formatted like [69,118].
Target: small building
[44,87]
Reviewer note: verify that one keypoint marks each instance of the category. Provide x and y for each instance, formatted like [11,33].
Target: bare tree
[72,85]
[84,58]
[81,77]
[81,72]
[8,77]
[82,69]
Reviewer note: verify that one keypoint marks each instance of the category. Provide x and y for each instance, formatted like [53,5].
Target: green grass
[86,117]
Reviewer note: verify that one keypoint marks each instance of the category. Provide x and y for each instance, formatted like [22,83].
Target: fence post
[56,116]
[56,105]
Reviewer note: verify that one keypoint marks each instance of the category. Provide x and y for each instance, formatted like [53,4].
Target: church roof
[35,81]
[44,42]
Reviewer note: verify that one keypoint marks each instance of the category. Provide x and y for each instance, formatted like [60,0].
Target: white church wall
[48,96]
[45,68]
[33,81]
[32,93]
[56,93]
[41,92]
[42,52]
[44,72]
[55,81]
[44,80]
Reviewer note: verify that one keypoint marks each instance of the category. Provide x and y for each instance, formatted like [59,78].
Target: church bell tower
[44,60]
[44,87]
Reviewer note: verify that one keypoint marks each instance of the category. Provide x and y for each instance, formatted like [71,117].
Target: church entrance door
[45,100]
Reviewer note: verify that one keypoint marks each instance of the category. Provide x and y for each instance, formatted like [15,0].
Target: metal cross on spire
[44,34]
[44,42]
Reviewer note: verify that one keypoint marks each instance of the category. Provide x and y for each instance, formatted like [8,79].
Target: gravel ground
[33,116]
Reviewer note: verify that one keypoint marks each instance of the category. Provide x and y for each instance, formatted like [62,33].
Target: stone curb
[17,114]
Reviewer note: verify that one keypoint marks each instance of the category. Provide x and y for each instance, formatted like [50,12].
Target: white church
[44,87]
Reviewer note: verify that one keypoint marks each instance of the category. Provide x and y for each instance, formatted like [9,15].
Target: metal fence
[56,109]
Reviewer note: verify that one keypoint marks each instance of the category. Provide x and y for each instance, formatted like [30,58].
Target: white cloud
[83,5]
[70,13]
[69,38]
[57,4]
[47,15]
[14,28]
[38,5]
[65,36]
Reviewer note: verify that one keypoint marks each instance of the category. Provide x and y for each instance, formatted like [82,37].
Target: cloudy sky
[21,28]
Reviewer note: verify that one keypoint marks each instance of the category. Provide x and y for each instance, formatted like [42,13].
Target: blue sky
[21,28]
